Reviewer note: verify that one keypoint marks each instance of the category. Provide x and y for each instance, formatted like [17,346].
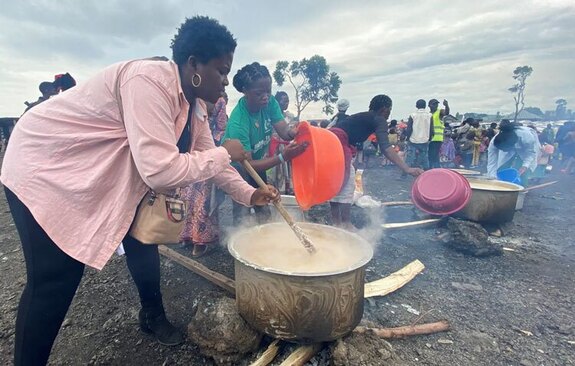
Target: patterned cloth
[447,151]
[218,121]
[200,227]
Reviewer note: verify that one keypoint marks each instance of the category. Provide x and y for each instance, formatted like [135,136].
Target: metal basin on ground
[492,201]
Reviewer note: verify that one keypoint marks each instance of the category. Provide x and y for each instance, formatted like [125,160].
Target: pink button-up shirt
[82,170]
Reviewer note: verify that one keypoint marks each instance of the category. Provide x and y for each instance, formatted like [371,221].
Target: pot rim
[368,255]
[516,187]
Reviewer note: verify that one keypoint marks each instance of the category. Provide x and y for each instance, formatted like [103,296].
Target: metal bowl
[492,201]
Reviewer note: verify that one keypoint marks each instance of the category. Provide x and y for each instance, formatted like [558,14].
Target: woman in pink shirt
[78,165]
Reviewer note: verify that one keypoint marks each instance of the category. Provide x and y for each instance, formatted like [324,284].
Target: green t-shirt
[253,130]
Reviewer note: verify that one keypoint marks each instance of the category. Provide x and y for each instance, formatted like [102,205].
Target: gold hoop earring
[194,84]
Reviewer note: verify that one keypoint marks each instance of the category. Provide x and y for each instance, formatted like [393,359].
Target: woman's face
[385,113]
[214,76]
[259,93]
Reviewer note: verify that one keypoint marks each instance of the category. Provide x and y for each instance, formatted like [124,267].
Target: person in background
[6,126]
[392,132]
[466,149]
[548,135]
[484,144]
[543,160]
[47,89]
[281,174]
[218,119]
[419,132]
[342,106]
[492,130]
[447,151]
[201,224]
[74,174]
[568,149]
[356,129]
[437,116]
[560,138]
[476,144]
[465,127]
[63,82]
[252,121]
[513,147]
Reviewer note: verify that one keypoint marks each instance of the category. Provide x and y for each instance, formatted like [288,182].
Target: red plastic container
[440,192]
[318,172]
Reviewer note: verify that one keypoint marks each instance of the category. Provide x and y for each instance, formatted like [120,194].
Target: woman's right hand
[294,149]
[235,150]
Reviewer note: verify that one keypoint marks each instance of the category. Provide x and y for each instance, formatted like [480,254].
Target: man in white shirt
[419,132]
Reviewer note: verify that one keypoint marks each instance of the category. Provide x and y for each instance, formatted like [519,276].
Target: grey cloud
[464,51]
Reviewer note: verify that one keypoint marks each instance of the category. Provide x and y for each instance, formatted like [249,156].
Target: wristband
[281,157]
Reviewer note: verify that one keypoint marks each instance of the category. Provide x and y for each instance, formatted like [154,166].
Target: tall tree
[520,74]
[312,82]
[561,110]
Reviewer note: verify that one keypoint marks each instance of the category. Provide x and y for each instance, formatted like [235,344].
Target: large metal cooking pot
[492,201]
[301,307]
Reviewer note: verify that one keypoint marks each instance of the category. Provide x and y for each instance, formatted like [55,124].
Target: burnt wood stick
[216,278]
[410,330]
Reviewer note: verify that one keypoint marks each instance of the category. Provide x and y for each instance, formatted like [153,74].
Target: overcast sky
[462,51]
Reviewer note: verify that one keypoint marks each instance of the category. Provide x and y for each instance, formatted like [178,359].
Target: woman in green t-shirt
[252,121]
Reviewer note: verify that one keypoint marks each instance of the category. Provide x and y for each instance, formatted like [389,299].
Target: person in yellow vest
[438,128]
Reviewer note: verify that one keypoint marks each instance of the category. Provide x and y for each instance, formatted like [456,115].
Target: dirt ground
[514,309]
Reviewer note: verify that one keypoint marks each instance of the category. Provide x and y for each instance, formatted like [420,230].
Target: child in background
[447,151]
[484,144]
[543,159]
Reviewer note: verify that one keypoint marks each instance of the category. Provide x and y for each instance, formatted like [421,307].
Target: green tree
[312,82]
[535,110]
[520,74]
[561,110]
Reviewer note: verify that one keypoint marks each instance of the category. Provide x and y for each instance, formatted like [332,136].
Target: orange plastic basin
[318,172]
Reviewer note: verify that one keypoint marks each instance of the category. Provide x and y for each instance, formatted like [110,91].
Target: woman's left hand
[264,196]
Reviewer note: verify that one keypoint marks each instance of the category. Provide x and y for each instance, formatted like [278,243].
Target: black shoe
[161,328]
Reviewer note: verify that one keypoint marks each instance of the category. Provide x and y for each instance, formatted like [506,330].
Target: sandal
[201,250]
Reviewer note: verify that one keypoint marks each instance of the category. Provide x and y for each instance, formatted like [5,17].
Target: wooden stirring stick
[295,227]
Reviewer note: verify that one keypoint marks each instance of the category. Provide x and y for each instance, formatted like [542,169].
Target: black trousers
[52,280]
[434,149]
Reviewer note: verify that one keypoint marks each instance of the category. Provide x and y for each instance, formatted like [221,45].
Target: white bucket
[291,206]
[520,199]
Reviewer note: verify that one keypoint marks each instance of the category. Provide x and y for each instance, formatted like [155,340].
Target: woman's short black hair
[203,37]
[248,75]
[379,101]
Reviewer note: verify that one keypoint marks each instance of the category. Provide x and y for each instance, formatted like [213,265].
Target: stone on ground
[364,349]
[471,238]
[220,332]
